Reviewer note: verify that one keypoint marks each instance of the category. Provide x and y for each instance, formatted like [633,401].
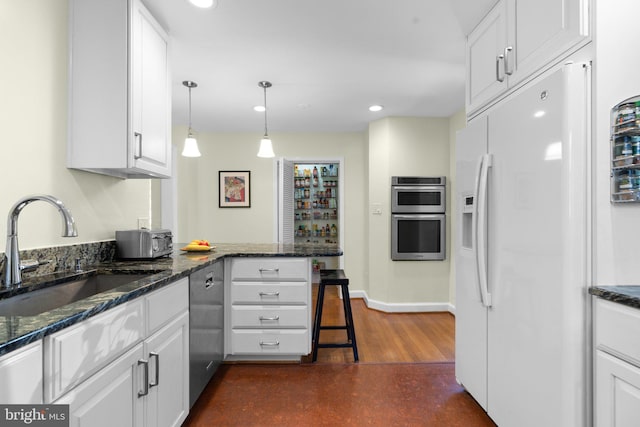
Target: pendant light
[266,148]
[190,144]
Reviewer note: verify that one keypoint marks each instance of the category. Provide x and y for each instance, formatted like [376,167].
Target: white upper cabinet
[517,39]
[119,90]
[485,58]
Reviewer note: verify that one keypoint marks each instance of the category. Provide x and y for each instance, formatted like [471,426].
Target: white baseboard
[403,307]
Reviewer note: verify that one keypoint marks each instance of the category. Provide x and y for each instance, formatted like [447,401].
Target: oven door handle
[419,216]
[419,187]
[479,227]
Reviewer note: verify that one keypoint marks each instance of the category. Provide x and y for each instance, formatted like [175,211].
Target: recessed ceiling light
[376,108]
[204,3]
[259,108]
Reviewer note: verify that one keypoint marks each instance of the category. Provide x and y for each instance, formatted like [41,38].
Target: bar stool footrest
[335,345]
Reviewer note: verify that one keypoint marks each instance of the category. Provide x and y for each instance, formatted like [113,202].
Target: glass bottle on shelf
[316,190]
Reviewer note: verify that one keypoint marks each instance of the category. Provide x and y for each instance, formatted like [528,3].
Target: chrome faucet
[12,267]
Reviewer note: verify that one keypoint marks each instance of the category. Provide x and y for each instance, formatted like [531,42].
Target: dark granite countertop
[18,331]
[627,295]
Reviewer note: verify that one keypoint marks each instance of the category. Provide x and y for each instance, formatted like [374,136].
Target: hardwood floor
[387,337]
[405,377]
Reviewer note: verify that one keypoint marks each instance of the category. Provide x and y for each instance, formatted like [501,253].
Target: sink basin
[46,299]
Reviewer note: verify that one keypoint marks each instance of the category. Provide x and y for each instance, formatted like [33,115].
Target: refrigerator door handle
[479,229]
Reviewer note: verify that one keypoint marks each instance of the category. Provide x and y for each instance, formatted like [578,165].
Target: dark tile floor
[364,394]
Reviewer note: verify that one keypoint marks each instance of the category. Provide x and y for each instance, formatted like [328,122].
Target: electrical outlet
[144,223]
[376,208]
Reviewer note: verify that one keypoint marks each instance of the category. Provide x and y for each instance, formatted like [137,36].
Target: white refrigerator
[523,257]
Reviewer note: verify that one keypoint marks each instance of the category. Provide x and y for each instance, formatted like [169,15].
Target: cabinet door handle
[269,343]
[269,294]
[146,377]
[269,318]
[138,148]
[499,75]
[508,65]
[157,379]
[273,270]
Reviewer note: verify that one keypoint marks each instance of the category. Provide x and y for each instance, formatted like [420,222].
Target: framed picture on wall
[234,189]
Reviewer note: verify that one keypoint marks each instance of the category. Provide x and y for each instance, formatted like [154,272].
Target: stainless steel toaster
[143,243]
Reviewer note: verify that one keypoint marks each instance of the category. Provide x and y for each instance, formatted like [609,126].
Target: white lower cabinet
[617,365]
[21,375]
[168,355]
[77,352]
[617,392]
[269,316]
[146,384]
[110,397]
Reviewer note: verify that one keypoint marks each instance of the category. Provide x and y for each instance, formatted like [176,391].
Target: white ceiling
[327,60]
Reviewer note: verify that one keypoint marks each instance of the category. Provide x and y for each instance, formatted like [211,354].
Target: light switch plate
[376,208]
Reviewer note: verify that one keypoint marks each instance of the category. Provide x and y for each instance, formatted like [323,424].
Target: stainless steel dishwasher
[206,326]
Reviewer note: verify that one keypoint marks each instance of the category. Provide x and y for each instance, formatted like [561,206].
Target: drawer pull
[269,294]
[269,343]
[269,318]
[267,270]
[146,377]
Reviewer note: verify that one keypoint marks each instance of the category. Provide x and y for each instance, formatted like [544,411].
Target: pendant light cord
[266,135]
[189,111]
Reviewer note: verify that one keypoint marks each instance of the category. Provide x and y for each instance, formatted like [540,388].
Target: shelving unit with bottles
[625,151]
[316,203]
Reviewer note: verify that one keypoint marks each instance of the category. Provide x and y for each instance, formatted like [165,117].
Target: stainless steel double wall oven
[418,226]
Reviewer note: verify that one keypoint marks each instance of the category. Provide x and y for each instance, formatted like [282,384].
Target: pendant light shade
[190,147]
[190,144]
[266,147]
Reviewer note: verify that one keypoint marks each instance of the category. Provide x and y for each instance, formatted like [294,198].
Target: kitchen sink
[46,299]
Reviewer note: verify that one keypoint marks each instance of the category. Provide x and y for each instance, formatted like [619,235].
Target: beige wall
[413,147]
[198,211]
[456,122]
[33,117]
[393,146]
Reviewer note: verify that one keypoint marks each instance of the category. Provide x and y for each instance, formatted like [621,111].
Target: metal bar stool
[334,278]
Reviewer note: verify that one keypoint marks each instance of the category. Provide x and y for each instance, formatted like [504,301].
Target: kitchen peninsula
[126,348]
[17,331]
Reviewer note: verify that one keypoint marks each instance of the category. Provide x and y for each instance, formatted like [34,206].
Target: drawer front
[75,353]
[251,316]
[167,303]
[616,328]
[270,293]
[286,341]
[270,269]
[21,375]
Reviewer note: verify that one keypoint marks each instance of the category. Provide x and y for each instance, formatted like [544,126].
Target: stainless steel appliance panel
[418,194]
[418,237]
[206,323]
[143,243]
